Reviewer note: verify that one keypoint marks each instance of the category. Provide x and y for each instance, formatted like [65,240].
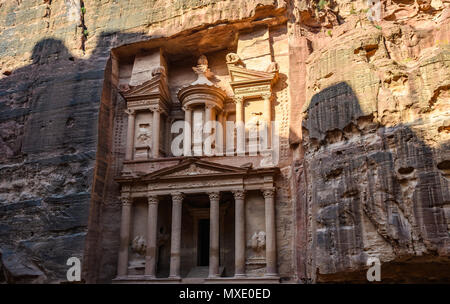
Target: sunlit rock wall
[374,180]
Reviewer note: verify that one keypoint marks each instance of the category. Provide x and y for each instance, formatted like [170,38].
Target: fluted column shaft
[271,250]
[175,252]
[239,237]
[187,143]
[130,134]
[210,115]
[214,234]
[152,222]
[122,266]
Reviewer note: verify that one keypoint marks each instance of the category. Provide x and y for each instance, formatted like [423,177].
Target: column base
[243,280]
[175,277]
[142,279]
[240,275]
[213,276]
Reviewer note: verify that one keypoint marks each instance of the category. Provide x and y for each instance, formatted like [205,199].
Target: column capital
[266,96]
[239,194]
[214,196]
[238,99]
[177,196]
[156,108]
[186,108]
[126,200]
[152,199]
[268,193]
[130,111]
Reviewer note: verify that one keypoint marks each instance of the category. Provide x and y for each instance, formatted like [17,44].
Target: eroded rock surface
[375,144]
[369,128]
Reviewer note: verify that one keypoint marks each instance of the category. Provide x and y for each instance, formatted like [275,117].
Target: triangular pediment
[156,86]
[240,74]
[194,168]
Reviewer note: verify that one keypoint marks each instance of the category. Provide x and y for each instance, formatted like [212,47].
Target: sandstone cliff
[369,129]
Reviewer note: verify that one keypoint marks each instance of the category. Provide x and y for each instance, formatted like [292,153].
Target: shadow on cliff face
[49,139]
[48,143]
[371,190]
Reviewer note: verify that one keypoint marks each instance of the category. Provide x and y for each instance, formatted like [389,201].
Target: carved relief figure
[139,245]
[144,134]
[234,59]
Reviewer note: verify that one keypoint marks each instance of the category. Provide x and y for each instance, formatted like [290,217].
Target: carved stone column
[187,143]
[130,134]
[268,116]
[271,245]
[156,131]
[239,230]
[240,134]
[177,202]
[122,268]
[221,135]
[214,234]
[209,121]
[152,222]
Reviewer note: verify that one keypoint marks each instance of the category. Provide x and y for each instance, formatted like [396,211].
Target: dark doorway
[203,243]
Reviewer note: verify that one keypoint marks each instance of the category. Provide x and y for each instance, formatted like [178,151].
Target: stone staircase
[198,274]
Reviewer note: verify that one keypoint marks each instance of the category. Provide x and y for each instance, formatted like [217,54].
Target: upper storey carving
[202,91]
[152,92]
[250,83]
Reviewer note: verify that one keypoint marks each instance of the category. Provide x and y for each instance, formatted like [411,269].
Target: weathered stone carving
[202,71]
[233,59]
[258,242]
[139,245]
[159,70]
[144,134]
[273,68]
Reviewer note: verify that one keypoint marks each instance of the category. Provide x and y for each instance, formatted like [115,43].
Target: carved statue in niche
[258,243]
[138,249]
[144,134]
[198,131]
[253,130]
[138,245]
[163,237]
[256,260]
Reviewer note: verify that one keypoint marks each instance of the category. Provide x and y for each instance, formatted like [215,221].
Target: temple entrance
[203,243]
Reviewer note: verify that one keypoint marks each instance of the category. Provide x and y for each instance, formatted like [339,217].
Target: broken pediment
[192,168]
[249,82]
[154,89]
[241,74]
